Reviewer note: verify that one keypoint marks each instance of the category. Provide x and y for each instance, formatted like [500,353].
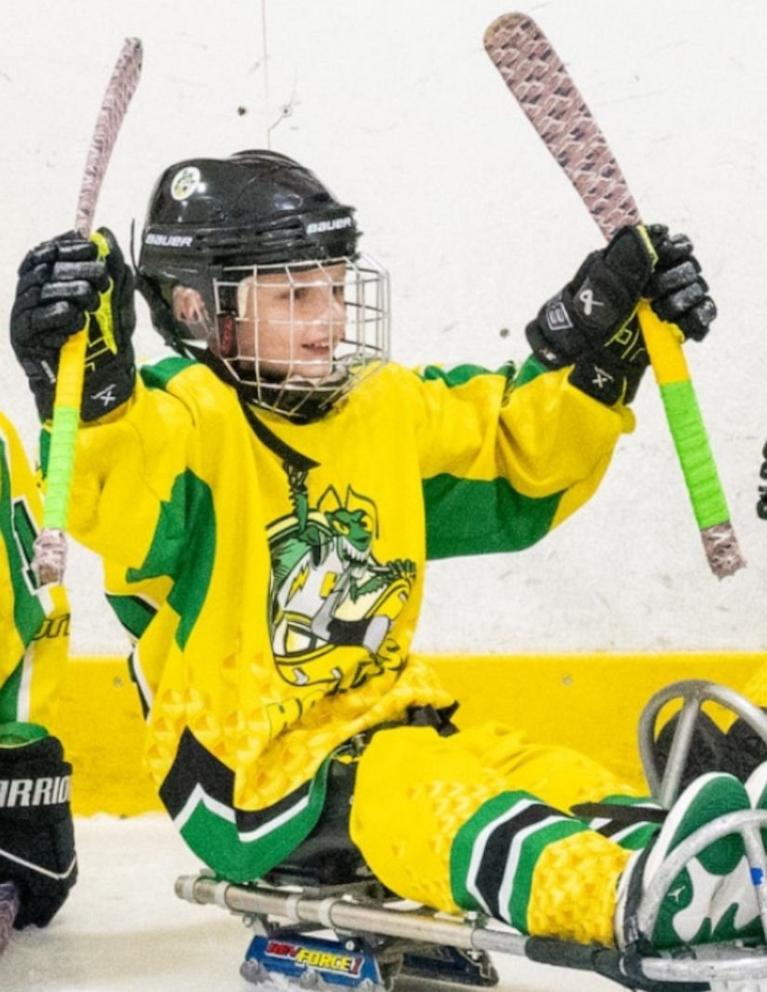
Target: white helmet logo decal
[185,182]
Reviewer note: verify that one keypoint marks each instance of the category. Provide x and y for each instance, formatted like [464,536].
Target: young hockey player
[265,504]
[37,850]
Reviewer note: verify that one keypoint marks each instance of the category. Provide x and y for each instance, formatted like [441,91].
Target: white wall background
[396,106]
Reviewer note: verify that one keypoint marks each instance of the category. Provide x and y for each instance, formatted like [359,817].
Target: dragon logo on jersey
[329,591]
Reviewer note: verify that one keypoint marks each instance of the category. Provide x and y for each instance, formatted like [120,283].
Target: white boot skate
[712,898]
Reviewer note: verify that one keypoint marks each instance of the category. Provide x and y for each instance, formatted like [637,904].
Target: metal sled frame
[692,693]
[365,911]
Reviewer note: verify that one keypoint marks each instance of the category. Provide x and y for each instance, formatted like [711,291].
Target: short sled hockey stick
[51,547]
[544,90]
[9,907]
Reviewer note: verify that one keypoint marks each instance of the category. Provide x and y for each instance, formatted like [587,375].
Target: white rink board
[397,108]
[123,929]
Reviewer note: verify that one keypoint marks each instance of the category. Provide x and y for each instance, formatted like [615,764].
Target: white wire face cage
[300,336]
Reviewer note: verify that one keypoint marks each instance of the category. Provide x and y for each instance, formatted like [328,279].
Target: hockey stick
[544,90]
[51,546]
[9,907]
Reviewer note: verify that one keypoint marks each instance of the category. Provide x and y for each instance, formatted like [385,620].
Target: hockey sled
[326,923]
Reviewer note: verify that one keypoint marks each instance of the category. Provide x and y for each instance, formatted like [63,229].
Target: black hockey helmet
[255,208]
[212,220]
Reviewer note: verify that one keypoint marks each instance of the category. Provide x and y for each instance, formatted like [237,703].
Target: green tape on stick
[60,467]
[695,455]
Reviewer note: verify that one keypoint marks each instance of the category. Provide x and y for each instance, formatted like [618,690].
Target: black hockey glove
[591,323]
[37,846]
[62,283]
[676,289]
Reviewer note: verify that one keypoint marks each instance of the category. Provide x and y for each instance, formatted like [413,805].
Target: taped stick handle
[51,544]
[690,438]
[66,414]
[684,418]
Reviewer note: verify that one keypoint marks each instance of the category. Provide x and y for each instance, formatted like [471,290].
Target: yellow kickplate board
[590,702]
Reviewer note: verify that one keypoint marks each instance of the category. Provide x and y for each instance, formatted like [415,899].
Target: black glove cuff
[109,385]
[104,388]
[598,375]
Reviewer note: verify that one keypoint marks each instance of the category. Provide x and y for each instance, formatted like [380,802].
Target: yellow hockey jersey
[271,573]
[34,623]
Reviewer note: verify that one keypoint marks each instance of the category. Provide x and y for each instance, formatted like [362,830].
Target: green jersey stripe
[473,517]
[186,531]
[28,614]
[530,370]
[526,850]
[459,375]
[470,841]
[210,828]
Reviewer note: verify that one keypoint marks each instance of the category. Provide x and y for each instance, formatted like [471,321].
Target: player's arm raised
[512,456]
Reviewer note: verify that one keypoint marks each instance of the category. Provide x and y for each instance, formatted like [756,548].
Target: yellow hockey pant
[477,820]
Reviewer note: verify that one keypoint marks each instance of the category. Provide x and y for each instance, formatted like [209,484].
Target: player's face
[291,322]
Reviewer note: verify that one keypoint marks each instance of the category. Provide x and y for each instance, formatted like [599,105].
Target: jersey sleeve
[34,622]
[506,456]
[128,502]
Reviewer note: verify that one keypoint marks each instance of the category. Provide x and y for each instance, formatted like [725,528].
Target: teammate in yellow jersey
[37,850]
[265,504]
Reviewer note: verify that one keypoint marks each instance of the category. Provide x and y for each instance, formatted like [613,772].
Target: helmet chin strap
[298,405]
[173,332]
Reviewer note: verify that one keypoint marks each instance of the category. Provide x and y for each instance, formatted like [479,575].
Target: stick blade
[542,87]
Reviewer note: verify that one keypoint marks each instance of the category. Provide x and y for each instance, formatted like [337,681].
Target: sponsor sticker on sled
[339,966]
[314,957]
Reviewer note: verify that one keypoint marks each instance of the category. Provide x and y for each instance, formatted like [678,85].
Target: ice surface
[124,929]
